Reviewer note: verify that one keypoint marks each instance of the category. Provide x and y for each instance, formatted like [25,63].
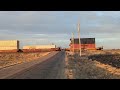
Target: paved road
[52,68]
[11,70]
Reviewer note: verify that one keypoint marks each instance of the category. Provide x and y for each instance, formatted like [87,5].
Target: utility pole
[79,38]
[73,41]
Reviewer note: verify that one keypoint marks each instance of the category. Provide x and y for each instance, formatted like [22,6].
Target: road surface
[52,68]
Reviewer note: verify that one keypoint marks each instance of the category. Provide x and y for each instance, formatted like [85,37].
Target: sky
[47,27]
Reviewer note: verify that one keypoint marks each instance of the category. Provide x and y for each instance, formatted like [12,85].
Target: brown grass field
[104,64]
[7,59]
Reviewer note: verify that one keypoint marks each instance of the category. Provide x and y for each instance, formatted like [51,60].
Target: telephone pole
[73,41]
[79,38]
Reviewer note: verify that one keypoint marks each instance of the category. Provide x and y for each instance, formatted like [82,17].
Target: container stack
[38,48]
[9,45]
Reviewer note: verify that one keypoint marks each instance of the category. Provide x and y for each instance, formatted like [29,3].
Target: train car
[9,45]
[56,49]
[39,46]
[85,44]
[36,50]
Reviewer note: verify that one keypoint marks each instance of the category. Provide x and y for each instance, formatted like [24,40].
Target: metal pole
[79,38]
[73,41]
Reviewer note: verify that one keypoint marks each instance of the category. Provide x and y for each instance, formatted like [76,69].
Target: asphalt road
[52,68]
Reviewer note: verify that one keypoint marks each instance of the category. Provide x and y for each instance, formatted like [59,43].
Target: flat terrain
[104,64]
[52,67]
[93,65]
[13,69]
[8,59]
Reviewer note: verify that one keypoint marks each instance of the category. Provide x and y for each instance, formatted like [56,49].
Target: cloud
[56,26]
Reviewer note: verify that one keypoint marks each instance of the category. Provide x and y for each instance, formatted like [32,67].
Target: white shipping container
[39,47]
[9,43]
[9,48]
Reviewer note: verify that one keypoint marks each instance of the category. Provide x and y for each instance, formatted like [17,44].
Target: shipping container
[83,46]
[36,50]
[8,48]
[9,45]
[15,50]
[86,43]
[39,47]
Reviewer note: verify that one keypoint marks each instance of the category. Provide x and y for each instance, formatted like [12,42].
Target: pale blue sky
[46,27]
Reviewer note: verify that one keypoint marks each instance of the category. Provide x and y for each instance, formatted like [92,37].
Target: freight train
[31,50]
[13,46]
[85,44]
[39,50]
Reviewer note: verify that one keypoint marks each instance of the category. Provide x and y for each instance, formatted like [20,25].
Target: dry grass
[7,59]
[95,65]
